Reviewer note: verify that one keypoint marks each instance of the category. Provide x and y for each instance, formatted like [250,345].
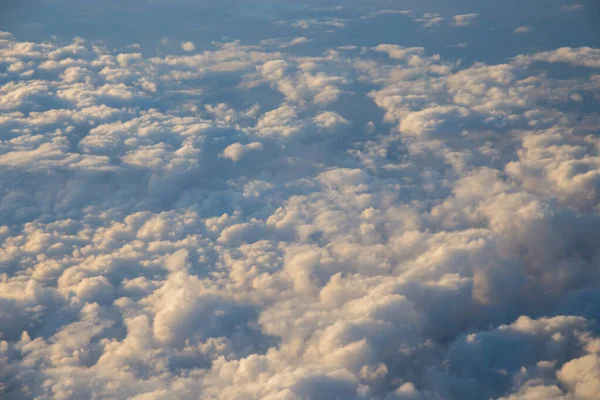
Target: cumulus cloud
[429,20]
[330,119]
[582,56]
[188,46]
[268,219]
[463,19]
[236,151]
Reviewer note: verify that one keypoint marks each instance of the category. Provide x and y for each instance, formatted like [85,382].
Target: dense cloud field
[299,201]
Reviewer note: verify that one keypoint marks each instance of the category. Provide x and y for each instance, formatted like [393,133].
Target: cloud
[398,52]
[330,119]
[188,46]
[429,20]
[582,56]
[236,151]
[301,83]
[378,13]
[463,19]
[297,41]
[270,218]
[284,44]
[332,22]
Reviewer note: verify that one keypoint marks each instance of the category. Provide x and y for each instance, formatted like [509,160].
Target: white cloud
[398,52]
[330,119]
[429,20]
[582,56]
[236,151]
[463,19]
[300,83]
[251,221]
[188,46]
[522,29]
[296,41]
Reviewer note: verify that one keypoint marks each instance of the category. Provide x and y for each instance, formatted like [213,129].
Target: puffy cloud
[582,56]
[429,20]
[463,19]
[282,121]
[582,376]
[398,52]
[300,83]
[330,119]
[280,220]
[188,46]
[236,151]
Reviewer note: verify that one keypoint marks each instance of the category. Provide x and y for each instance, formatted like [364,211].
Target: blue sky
[310,200]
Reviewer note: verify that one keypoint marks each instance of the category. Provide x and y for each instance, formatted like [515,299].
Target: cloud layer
[249,221]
